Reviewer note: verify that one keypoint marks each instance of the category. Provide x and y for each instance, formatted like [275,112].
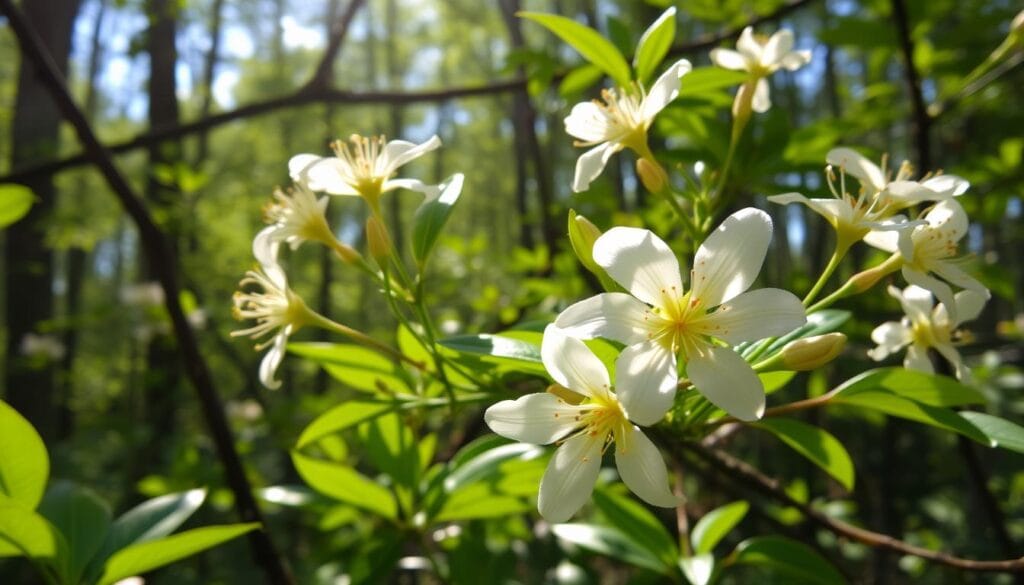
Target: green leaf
[517,354]
[82,518]
[355,366]
[480,500]
[698,569]
[413,349]
[431,217]
[613,543]
[1000,431]
[654,45]
[345,484]
[816,444]
[588,42]
[715,525]
[930,389]
[24,463]
[144,557]
[15,201]
[391,448]
[24,533]
[705,80]
[486,464]
[340,418]
[784,555]
[898,406]
[775,381]
[148,521]
[579,79]
[644,528]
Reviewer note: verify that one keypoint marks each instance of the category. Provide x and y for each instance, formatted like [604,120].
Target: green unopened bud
[652,175]
[1017,24]
[348,254]
[568,396]
[811,353]
[866,279]
[582,235]
[743,105]
[378,241]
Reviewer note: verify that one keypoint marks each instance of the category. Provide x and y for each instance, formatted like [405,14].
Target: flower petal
[641,262]
[645,381]
[795,60]
[572,364]
[539,418]
[917,359]
[778,46]
[762,101]
[570,477]
[664,90]
[412,185]
[950,217]
[326,175]
[590,164]
[588,122]
[748,46]
[728,59]
[273,358]
[298,164]
[890,337]
[728,381]
[753,315]
[947,184]
[853,163]
[728,261]
[399,152]
[917,302]
[940,289]
[969,304]
[266,245]
[956,275]
[951,355]
[888,240]
[613,315]
[642,469]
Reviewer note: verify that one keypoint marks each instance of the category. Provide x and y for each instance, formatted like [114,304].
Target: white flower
[897,192]
[930,248]
[926,326]
[761,57]
[658,320]
[276,310]
[45,346]
[619,121]
[143,294]
[584,422]
[297,215]
[365,169]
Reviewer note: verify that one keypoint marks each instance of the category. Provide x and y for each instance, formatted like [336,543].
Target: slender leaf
[588,42]
[654,45]
[901,407]
[644,528]
[579,79]
[704,80]
[144,557]
[787,556]
[613,543]
[355,366]
[1000,431]
[24,463]
[481,500]
[340,418]
[82,518]
[431,217]
[15,201]
[930,389]
[516,354]
[486,464]
[715,525]
[816,444]
[345,484]
[24,533]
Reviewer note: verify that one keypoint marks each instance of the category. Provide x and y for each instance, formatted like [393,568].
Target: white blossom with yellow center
[925,326]
[276,310]
[584,417]
[659,320]
[761,56]
[295,215]
[364,168]
[619,120]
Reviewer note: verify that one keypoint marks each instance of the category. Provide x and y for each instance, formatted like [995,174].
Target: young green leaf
[15,201]
[654,45]
[579,79]
[816,444]
[144,557]
[516,354]
[345,484]
[613,543]
[355,366]
[82,518]
[715,525]
[588,42]
[431,217]
[486,464]
[340,418]
[901,407]
[24,463]
[930,389]
[792,558]
[1000,431]
[24,533]
[644,528]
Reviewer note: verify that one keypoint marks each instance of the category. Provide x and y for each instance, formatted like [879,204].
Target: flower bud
[651,175]
[582,235]
[811,353]
[378,240]
[1017,24]
[348,254]
[568,396]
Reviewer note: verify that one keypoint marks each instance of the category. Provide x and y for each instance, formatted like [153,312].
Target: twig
[922,122]
[162,260]
[740,470]
[310,94]
[324,74]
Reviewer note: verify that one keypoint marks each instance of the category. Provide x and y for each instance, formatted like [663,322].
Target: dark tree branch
[747,474]
[161,258]
[922,122]
[313,94]
[323,77]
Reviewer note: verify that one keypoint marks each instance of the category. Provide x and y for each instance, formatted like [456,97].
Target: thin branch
[314,94]
[922,121]
[746,473]
[161,258]
[324,74]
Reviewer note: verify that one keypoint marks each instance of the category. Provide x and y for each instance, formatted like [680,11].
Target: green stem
[842,247]
[860,282]
[324,323]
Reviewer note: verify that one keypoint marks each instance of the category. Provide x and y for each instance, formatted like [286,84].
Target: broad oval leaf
[654,45]
[1000,431]
[144,557]
[709,80]
[516,354]
[431,217]
[15,201]
[82,518]
[24,462]
[930,389]
[579,80]
[644,528]
[355,366]
[25,533]
[340,418]
[816,444]
[487,463]
[588,42]
[787,556]
[901,407]
[715,525]
[613,543]
[345,484]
